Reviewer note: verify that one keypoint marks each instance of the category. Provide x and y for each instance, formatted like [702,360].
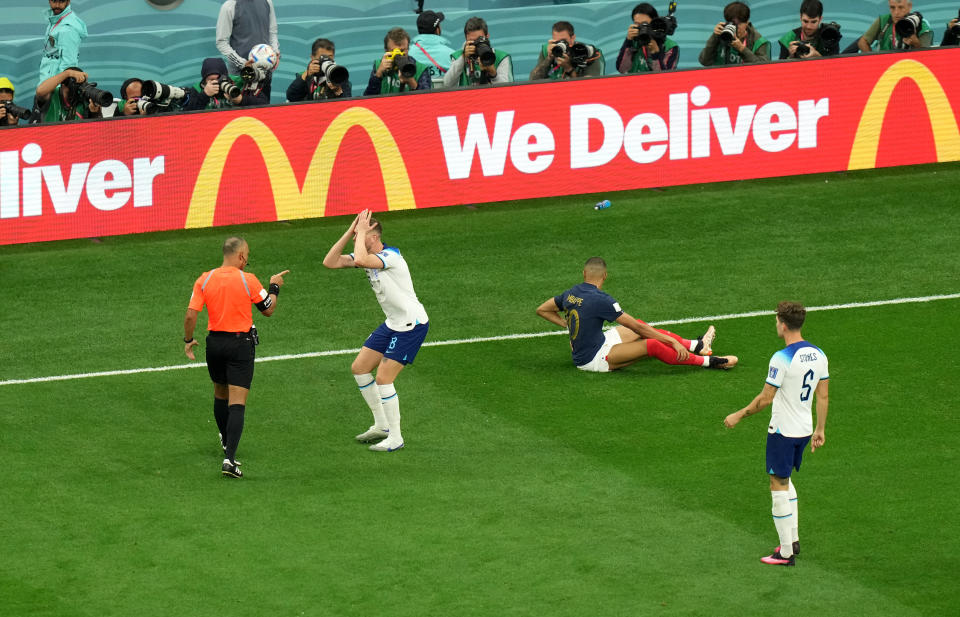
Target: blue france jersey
[795,372]
[587,308]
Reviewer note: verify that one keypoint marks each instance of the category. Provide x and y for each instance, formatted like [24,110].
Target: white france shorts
[399,346]
[599,363]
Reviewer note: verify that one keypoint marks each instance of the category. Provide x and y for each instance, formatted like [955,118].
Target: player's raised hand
[188,348]
[363,221]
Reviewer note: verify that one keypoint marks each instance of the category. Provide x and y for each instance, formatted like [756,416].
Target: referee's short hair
[233,244]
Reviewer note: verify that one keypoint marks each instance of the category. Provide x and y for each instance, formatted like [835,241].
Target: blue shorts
[784,454]
[399,346]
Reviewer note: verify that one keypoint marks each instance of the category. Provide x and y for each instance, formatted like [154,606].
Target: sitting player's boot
[778,560]
[373,434]
[724,362]
[231,469]
[705,343]
[796,548]
[387,445]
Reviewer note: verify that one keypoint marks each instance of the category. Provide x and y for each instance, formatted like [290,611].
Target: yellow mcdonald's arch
[946,136]
[290,200]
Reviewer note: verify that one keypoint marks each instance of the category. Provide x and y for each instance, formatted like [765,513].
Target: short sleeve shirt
[587,309]
[795,371]
[227,293]
[393,286]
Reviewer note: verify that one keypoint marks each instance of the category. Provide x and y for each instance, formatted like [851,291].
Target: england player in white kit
[797,373]
[395,343]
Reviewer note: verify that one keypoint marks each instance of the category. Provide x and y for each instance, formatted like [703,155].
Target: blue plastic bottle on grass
[603,205]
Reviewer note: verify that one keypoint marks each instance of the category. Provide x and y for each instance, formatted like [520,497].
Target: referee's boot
[231,469]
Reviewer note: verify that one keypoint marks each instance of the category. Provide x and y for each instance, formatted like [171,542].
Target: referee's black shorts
[230,358]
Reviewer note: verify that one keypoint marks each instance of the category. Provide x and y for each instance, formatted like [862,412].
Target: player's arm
[551,312]
[823,402]
[759,403]
[360,255]
[268,302]
[646,331]
[335,257]
[189,325]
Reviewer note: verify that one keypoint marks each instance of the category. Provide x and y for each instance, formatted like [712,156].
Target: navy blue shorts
[784,454]
[399,346]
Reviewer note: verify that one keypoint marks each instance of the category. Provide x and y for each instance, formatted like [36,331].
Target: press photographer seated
[735,40]
[396,71]
[323,79]
[813,38]
[563,57]
[139,97]
[647,47]
[478,62]
[10,113]
[70,96]
[902,29]
[217,89]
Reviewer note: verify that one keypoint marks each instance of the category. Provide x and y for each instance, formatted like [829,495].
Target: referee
[228,292]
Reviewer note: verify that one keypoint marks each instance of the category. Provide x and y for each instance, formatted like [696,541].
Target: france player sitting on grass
[587,308]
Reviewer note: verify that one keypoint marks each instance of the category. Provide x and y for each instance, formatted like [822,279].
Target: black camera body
[728,33]
[909,25]
[830,32]
[253,73]
[87,91]
[336,74]
[16,111]
[658,28]
[228,88]
[579,53]
[483,51]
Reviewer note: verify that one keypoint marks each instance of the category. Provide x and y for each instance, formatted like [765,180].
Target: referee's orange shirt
[227,294]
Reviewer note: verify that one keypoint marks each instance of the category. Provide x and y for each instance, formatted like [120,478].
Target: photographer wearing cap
[10,113]
[323,79]
[429,47]
[61,41]
[562,57]
[902,29]
[735,41]
[396,71]
[70,96]
[647,47]
[813,38]
[478,62]
[218,90]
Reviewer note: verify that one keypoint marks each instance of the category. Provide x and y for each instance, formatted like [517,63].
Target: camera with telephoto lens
[15,110]
[402,63]
[228,88]
[253,73]
[155,96]
[88,91]
[728,33]
[579,53]
[336,74]
[830,33]
[955,30]
[909,25]
[483,52]
[657,29]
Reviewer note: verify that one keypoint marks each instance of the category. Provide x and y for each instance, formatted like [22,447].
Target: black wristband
[274,289]
[188,340]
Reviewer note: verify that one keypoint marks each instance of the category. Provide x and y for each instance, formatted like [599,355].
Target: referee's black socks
[221,412]
[234,430]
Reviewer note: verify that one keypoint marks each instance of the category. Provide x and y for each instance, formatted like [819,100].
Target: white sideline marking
[481,339]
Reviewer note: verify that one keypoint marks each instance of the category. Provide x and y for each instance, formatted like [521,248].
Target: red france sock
[668,355]
[674,335]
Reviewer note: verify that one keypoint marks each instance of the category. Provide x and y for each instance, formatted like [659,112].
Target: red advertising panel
[470,146]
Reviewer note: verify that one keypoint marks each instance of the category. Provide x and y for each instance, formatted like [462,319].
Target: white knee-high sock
[792,491]
[371,394]
[783,520]
[391,409]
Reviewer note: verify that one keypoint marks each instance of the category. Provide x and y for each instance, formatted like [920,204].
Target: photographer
[396,71]
[952,35]
[70,96]
[813,38]
[562,57]
[889,33]
[313,84]
[648,48]
[478,62]
[10,114]
[141,97]
[736,41]
[217,89]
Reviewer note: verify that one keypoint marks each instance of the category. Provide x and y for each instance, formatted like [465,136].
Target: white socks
[792,491]
[391,409]
[783,520]
[371,394]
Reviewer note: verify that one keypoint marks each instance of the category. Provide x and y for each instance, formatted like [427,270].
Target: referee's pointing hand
[277,279]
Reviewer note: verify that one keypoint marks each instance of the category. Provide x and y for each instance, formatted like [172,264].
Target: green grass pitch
[526,487]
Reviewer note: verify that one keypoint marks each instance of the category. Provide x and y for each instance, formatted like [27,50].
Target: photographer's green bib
[390,83]
[466,79]
[726,54]
[216,102]
[555,72]
[641,64]
[888,39]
